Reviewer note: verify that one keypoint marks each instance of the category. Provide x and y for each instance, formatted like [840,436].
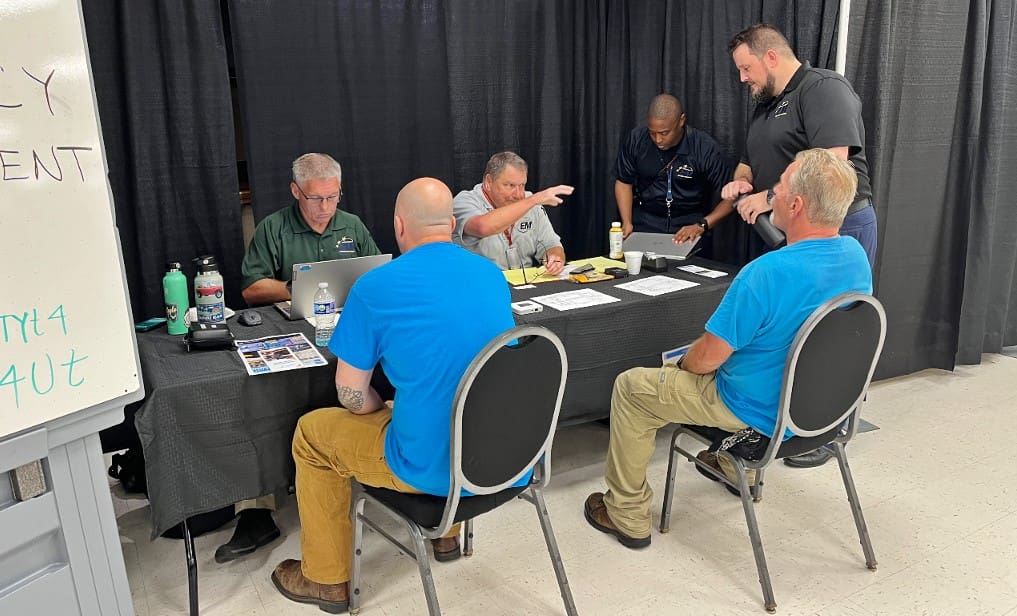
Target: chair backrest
[505,411]
[830,364]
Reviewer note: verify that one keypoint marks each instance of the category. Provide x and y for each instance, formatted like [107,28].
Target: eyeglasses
[316,200]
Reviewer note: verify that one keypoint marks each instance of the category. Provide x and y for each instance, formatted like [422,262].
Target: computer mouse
[249,318]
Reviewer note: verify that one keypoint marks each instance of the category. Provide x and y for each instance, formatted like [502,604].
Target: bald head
[423,213]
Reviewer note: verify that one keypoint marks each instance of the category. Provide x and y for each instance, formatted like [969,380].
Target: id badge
[347,247]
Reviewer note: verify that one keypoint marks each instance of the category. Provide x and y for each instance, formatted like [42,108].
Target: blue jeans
[861,225]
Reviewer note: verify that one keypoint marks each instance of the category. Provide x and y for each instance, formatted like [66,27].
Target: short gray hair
[316,166]
[499,161]
[826,183]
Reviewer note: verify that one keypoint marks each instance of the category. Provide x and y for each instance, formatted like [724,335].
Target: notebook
[340,274]
[660,243]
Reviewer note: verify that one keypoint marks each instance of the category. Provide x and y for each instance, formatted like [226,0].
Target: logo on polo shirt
[346,244]
[525,225]
[782,109]
[685,172]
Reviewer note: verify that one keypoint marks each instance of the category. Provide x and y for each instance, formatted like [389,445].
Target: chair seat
[792,447]
[427,509]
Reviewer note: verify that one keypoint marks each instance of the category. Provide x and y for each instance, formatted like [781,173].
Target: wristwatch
[705,224]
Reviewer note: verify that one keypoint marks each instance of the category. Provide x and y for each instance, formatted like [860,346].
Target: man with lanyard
[797,108]
[667,174]
[312,229]
[500,220]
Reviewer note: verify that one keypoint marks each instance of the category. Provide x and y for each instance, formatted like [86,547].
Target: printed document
[656,285]
[570,300]
[278,353]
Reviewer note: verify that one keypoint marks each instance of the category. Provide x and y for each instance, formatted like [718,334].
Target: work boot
[290,581]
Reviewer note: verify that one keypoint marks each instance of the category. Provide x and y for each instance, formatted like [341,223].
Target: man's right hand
[735,189]
[549,196]
[626,230]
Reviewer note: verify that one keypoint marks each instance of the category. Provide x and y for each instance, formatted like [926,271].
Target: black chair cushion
[792,447]
[426,509]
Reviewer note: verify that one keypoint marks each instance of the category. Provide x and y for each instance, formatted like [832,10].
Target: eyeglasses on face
[317,200]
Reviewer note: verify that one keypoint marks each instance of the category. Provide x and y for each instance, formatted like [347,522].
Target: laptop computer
[660,243]
[340,274]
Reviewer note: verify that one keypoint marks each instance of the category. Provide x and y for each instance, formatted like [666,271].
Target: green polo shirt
[283,239]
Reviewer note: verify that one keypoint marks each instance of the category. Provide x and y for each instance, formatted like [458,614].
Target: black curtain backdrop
[164,103]
[401,89]
[938,85]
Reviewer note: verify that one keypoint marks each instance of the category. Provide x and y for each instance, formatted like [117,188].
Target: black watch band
[705,224]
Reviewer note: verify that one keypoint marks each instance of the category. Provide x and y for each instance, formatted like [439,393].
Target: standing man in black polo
[667,174]
[797,108]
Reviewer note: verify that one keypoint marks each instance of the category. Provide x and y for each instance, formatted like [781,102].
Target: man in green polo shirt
[312,229]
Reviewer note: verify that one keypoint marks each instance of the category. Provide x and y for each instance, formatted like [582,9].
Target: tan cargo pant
[331,446]
[643,401]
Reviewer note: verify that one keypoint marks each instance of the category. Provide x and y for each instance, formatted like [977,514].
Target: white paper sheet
[570,300]
[656,285]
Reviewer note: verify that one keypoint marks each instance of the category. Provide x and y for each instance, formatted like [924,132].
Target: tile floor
[943,522]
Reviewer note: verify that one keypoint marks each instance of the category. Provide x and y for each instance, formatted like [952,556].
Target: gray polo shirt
[529,238]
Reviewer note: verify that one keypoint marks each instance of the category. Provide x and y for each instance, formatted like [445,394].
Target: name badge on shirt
[346,244]
[685,172]
[782,109]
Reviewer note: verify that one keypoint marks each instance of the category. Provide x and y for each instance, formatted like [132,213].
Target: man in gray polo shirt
[503,222]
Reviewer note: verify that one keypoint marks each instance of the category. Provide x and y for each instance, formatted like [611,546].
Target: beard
[766,93]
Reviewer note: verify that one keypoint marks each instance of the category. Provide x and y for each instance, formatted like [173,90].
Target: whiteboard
[66,336]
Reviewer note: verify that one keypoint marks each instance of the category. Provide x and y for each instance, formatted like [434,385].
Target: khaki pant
[332,446]
[262,502]
[643,401]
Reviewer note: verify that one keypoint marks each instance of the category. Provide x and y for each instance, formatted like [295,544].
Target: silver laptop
[660,243]
[340,274]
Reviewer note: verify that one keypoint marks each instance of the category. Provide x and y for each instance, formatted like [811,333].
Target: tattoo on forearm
[353,399]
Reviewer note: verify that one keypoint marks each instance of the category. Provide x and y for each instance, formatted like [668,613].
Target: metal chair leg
[665,512]
[423,558]
[552,550]
[769,602]
[856,507]
[192,568]
[358,549]
[468,538]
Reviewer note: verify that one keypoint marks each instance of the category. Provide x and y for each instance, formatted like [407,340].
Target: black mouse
[249,318]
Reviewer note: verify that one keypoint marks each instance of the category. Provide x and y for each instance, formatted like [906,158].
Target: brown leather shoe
[290,580]
[596,514]
[446,549]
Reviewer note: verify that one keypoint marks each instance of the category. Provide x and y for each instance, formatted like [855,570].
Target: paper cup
[633,261]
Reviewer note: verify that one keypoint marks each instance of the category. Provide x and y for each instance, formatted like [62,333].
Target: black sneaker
[255,528]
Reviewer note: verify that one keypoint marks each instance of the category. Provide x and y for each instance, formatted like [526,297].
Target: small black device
[209,336]
[656,264]
[582,269]
[773,236]
[149,324]
[617,272]
[249,318]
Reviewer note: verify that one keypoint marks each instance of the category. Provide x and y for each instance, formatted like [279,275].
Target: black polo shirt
[699,168]
[817,109]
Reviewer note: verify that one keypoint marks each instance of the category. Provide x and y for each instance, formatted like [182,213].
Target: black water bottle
[773,236]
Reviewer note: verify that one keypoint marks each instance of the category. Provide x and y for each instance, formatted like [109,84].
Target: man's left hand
[554,264]
[687,234]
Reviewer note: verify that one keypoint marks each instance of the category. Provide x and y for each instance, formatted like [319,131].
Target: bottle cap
[322,285]
[172,266]
[206,264]
[616,225]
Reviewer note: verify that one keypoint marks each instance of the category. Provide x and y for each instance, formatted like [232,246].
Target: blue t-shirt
[424,316]
[761,313]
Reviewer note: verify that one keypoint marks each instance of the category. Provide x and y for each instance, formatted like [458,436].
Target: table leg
[192,568]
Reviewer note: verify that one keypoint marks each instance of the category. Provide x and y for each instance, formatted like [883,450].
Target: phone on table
[149,324]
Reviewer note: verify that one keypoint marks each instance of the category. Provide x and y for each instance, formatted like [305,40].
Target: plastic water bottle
[174,291]
[324,315]
[208,291]
[614,241]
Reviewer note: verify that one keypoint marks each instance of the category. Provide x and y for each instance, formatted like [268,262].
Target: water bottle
[614,241]
[208,295]
[773,236]
[174,293]
[324,315]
